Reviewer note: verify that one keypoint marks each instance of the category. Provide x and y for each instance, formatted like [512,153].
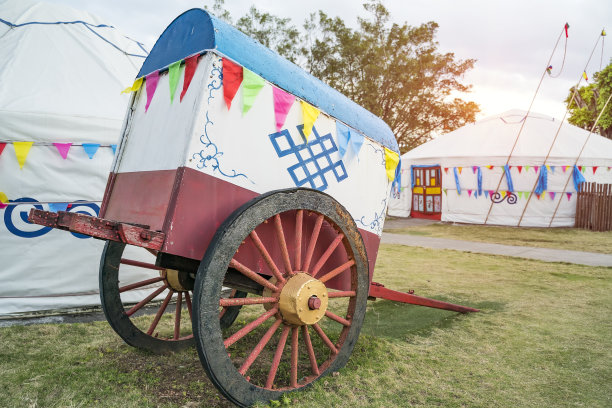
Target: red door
[426,193]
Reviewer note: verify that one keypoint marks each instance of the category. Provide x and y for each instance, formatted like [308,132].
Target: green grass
[542,339]
[560,238]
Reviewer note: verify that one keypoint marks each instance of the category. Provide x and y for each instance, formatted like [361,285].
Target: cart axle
[378,290]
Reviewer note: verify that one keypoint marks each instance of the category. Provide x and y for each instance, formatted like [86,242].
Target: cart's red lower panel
[188,206]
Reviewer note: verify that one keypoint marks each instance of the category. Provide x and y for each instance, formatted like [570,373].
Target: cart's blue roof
[196,30]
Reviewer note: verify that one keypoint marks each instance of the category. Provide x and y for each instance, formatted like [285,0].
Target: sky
[512,41]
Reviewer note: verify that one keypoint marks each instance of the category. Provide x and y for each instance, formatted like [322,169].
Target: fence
[594,207]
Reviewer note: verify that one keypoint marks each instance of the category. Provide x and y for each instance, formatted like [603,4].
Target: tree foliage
[589,101]
[393,70]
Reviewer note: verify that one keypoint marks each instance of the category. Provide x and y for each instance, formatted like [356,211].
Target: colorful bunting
[343,134]
[191,64]
[564,168]
[594,169]
[135,86]
[114,147]
[3,200]
[552,168]
[469,193]
[582,168]
[486,193]
[251,85]
[520,194]
[552,195]
[527,168]
[503,194]
[356,141]
[174,71]
[63,148]
[391,161]
[569,196]
[282,103]
[459,168]
[3,145]
[547,167]
[584,75]
[55,207]
[151,85]
[310,114]
[490,167]
[91,149]
[445,191]
[457,180]
[445,169]
[474,168]
[536,168]
[520,168]
[232,78]
[566,27]
[21,151]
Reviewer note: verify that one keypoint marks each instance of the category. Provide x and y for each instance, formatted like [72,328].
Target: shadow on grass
[394,320]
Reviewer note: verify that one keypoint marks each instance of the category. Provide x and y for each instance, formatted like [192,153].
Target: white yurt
[477,174]
[61,109]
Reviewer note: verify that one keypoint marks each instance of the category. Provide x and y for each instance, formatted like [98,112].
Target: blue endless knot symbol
[313,158]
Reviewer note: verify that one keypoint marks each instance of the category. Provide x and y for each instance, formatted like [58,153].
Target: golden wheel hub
[172,277]
[303,300]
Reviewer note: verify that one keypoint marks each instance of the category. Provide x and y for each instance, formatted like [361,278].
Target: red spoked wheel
[302,256]
[148,306]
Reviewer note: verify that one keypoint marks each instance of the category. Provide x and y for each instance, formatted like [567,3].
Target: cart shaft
[379,291]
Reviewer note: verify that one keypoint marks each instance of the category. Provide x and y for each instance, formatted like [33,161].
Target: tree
[589,101]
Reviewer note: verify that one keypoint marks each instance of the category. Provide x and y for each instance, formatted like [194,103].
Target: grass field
[543,339]
[561,238]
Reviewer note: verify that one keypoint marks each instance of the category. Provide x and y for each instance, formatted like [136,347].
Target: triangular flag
[552,195]
[21,151]
[391,161]
[569,196]
[469,193]
[63,148]
[282,103]
[538,195]
[114,147]
[491,192]
[232,78]
[486,194]
[584,75]
[3,200]
[582,168]
[503,194]
[474,168]
[520,168]
[91,149]
[135,86]
[459,168]
[356,141]
[2,146]
[527,168]
[445,191]
[174,71]
[547,167]
[251,85]
[536,168]
[564,168]
[191,64]
[151,82]
[520,194]
[343,134]
[310,114]
[526,194]
[594,169]
[552,168]
[55,207]
[446,170]
[490,167]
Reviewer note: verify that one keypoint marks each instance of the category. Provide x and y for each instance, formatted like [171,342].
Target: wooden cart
[242,216]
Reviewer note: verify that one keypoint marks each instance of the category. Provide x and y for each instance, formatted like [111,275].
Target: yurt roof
[196,31]
[493,137]
[62,72]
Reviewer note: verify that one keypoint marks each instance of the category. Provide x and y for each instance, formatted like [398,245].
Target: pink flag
[469,193]
[569,196]
[552,195]
[282,104]
[63,148]
[474,168]
[151,81]
[536,168]
[3,145]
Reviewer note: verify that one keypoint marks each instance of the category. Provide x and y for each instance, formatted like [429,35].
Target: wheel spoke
[188,301]
[144,301]
[342,293]
[140,284]
[177,315]
[246,301]
[252,275]
[337,318]
[325,339]
[311,354]
[280,235]
[259,347]
[250,327]
[294,356]
[160,312]
[326,254]
[337,271]
[266,256]
[277,357]
[313,241]
[147,265]
[299,216]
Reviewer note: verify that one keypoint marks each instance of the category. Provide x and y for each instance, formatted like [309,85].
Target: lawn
[543,339]
[561,238]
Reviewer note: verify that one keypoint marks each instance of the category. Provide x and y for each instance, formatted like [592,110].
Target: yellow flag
[391,161]
[3,200]
[135,86]
[310,116]
[21,151]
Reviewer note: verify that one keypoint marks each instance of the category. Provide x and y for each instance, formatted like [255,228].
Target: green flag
[251,85]
[174,73]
